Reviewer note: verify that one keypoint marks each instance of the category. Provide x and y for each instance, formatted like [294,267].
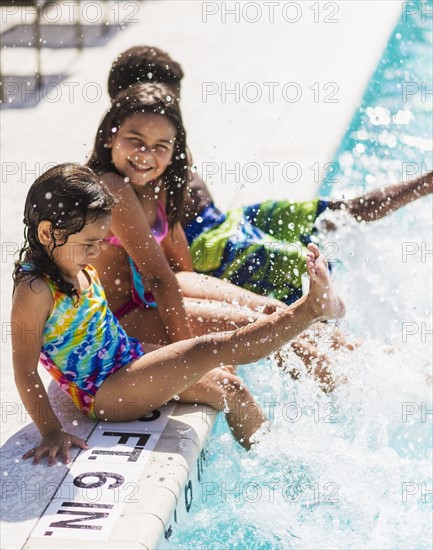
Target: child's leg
[329,334]
[155,378]
[211,316]
[199,286]
[205,316]
[226,392]
[146,326]
[380,202]
[316,363]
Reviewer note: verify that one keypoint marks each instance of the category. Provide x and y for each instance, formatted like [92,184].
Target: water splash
[351,469]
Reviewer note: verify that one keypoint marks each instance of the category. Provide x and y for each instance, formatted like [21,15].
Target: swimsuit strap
[112,240]
[159,230]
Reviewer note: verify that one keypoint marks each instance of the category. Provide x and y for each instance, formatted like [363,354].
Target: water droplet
[48,196]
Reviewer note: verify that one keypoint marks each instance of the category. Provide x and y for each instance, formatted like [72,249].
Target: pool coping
[169,479]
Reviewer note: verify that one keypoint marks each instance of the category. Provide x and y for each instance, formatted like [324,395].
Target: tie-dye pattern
[83,342]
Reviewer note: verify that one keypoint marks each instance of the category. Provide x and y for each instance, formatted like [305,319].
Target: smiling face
[142,147]
[80,249]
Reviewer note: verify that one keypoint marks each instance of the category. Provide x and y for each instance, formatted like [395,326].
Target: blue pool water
[351,469]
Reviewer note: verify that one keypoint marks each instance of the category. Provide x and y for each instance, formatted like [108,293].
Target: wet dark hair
[147,98]
[69,196]
[142,64]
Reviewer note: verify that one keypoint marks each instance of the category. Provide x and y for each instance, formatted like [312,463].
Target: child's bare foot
[317,364]
[339,341]
[322,297]
[328,334]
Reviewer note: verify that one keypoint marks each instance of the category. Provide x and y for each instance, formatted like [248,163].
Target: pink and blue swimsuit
[139,296]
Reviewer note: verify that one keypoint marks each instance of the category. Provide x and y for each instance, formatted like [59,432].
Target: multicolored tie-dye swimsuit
[83,342]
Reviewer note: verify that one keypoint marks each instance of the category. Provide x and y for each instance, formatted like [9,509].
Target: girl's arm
[131,226]
[30,309]
[176,250]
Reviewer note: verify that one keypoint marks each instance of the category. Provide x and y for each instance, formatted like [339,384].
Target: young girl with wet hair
[66,323]
[140,154]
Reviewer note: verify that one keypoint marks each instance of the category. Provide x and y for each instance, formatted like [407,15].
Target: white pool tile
[146,528]
[193,425]
[158,501]
[160,472]
[182,451]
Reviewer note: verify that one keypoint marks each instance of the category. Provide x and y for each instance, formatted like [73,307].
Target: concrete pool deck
[265,105]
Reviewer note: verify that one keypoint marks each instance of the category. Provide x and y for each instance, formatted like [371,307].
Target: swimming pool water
[350,469]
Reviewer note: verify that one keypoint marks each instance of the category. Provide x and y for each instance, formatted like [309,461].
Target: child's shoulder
[115,182]
[33,291]
[32,303]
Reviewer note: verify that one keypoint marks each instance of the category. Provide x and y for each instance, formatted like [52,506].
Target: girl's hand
[53,444]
